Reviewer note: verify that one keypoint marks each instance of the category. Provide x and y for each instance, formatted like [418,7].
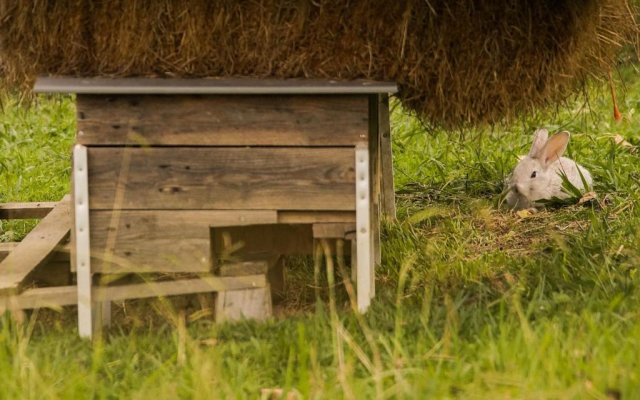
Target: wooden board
[222,120]
[68,295]
[388,200]
[333,230]
[310,217]
[36,248]
[234,305]
[160,240]
[209,86]
[247,303]
[184,286]
[222,178]
[26,210]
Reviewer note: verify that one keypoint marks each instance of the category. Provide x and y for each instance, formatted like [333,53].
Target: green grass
[473,301]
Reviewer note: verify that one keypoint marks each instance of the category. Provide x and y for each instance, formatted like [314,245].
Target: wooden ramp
[38,246]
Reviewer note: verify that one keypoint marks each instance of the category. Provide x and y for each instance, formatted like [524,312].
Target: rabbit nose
[518,189]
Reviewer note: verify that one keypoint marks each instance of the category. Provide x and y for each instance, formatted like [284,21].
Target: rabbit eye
[533,174]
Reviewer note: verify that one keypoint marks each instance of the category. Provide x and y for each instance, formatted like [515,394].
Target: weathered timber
[310,217]
[222,178]
[161,240]
[333,230]
[184,286]
[244,303]
[222,120]
[68,295]
[36,248]
[26,210]
[385,169]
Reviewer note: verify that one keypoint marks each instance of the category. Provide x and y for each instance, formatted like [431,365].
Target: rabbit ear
[554,148]
[539,139]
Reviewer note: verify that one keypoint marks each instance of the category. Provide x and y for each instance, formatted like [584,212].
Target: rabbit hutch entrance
[217,179]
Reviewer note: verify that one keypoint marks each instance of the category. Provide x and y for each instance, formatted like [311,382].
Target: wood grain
[222,178]
[386,159]
[26,210]
[36,248]
[333,230]
[310,217]
[160,240]
[68,295]
[222,120]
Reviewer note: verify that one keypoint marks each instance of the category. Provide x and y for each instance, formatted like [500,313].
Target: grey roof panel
[208,86]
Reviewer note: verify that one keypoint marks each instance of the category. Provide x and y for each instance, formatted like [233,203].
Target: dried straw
[457,62]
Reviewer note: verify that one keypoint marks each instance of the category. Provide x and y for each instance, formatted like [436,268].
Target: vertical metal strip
[81,230]
[363,226]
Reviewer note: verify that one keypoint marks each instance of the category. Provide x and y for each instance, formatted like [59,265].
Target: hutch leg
[364,282]
[81,234]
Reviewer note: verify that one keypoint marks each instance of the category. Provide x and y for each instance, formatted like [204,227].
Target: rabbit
[538,175]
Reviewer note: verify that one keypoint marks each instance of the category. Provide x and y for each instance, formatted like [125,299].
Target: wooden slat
[6,248]
[242,268]
[161,240]
[222,178]
[310,217]
[36,248]
[222,120]
[333,230]
[26,210]
[68,295]
[388,200]
[174,288]
[208,86]
[40,297]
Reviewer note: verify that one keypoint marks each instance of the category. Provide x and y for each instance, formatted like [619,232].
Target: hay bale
[457,62]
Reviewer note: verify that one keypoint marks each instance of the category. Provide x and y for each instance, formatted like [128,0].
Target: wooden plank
[161,240]
[375,187]
[36,248]
[6,248]
[244,268]
[178,287]
[247,303]
[332,230]
[80,243]
[388,200]
[234,305]
[310,217]
[222,120]
[26,210]
[222,178]
[68,295]
[40,298]
[363,226]
[233,86]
